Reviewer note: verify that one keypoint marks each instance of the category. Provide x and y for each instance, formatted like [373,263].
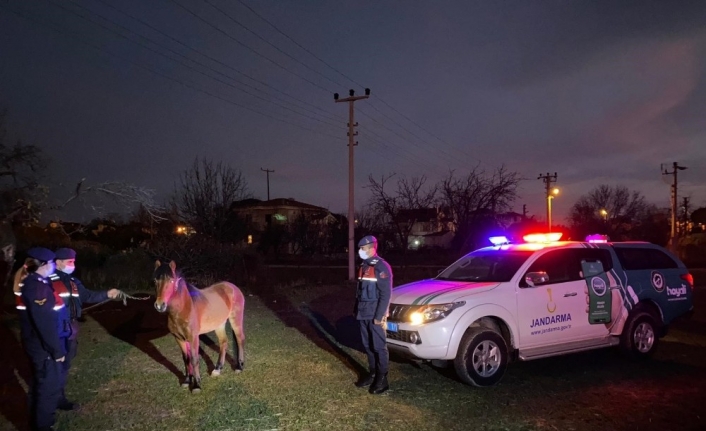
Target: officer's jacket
[75,292]
[43,317]
[374,289]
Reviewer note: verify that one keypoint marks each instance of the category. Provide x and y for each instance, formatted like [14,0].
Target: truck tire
[640,335]
[482,357]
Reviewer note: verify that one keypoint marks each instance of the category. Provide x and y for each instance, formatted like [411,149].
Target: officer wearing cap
[44,323]
[74,294]
[371,309]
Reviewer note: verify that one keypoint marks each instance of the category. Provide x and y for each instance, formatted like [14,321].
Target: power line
[394,132]
[425,130]
[268,42]
[180,62]
[81,39]
[238,71]
[247,47]
[411,133]
[353,81]
[298,44]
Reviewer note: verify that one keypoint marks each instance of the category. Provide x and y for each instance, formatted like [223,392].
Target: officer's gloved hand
[118,295]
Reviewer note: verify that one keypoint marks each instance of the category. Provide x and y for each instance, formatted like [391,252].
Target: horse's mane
[165,271]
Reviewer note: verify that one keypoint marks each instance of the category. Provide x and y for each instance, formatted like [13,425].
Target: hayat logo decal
[598,286]
[658,281]
[676,293]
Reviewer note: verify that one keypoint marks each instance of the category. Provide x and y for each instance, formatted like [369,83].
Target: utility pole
[268,181]
[548,180]
[524,211]
[673,236]
[351,203]
[685,219]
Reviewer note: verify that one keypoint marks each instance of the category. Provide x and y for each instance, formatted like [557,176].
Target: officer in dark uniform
[44,324]
[74,295]
[371,308]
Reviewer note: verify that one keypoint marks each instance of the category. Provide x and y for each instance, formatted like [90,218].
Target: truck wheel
[482,357]
[639,338]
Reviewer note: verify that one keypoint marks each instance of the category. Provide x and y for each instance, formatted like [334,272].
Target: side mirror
[536,278]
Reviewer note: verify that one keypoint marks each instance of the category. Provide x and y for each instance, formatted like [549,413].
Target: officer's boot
[365,380]
[380,384]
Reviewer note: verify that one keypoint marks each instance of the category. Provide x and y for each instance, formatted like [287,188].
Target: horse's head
[166,281]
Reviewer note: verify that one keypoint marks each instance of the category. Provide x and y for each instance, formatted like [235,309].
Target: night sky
[599,92]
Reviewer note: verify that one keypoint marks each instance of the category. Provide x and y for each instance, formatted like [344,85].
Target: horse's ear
[157,264]
[172,265]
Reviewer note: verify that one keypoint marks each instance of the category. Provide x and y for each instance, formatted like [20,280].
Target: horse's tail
[19,276]
[236,317]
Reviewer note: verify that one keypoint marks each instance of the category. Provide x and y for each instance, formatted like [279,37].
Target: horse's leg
[195,368]
[184,346]
[223,344]
[236,324]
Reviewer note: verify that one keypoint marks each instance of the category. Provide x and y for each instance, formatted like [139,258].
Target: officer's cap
[41,254]
[66,253]
[368,239]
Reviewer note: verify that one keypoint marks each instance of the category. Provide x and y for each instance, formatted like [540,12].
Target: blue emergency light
[499,240]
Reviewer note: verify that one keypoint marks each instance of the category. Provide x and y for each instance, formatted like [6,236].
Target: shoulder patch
[40,302]
[383,274]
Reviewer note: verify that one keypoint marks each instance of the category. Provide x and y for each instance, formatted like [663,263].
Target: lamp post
[550,196]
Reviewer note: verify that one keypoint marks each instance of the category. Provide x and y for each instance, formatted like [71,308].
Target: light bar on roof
[498,240]
[597,238]
[542,237]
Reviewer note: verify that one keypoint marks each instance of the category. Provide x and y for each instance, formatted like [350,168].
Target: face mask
[363,255]
[68,269]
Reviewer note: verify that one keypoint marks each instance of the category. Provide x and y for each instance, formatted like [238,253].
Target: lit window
[249,239]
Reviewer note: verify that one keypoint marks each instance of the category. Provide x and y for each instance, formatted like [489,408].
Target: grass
[301,361]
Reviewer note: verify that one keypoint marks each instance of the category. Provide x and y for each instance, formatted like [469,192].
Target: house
[262,216]
[428,227]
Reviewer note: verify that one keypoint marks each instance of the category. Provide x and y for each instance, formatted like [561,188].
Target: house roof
[274,203]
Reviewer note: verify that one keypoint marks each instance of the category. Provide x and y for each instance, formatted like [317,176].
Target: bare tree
[204,197]
[616,211]
[20,173]
[397,207]
[472,201]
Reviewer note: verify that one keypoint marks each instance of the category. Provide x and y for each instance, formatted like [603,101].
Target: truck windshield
[486,265]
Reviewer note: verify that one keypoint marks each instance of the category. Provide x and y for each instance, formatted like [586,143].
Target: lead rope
[122,296]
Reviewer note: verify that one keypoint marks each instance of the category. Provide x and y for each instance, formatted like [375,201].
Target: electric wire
[322,112]
[81,38]
[180,62]
[276,28]
[268,42]
[254,51]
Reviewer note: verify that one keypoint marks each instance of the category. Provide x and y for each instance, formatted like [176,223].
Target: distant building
[261,216]
[428,227]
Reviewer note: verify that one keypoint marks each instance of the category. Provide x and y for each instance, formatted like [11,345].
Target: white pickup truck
[539,299]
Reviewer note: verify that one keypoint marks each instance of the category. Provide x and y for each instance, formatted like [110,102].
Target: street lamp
[550,196]
[604,213]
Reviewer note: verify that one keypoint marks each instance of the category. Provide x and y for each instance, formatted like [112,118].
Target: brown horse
[197,311]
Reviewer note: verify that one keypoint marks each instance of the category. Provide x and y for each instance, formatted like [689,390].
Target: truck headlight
[433,312]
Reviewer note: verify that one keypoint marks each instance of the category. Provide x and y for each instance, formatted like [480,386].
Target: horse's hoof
[185,385]
[215,373]
[196,390]
[238,371]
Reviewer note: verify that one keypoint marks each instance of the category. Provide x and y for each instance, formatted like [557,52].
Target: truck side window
[637,258]
[560,265]
[595,254]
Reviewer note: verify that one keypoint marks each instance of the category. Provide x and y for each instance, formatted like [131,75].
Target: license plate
[392,327]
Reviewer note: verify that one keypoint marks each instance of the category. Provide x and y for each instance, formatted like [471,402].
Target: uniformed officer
[371,309]
[74,295]
[44,322]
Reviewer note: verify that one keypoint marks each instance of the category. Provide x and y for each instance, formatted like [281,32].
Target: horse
[192,312]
